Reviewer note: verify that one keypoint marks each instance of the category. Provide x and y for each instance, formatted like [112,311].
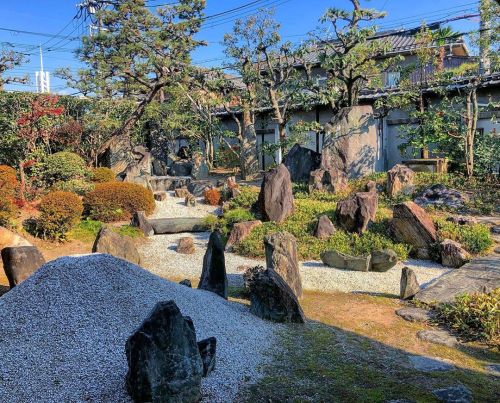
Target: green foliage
[77,186]
[247,197]
[102,175]
[62,166]
[59,212]
[115,201]
[226,157]
[128,230]
[476,239]
[474,316]
[8,211]
[86,230]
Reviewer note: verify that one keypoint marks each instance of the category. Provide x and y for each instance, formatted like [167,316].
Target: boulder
[190,200]
[350,143]
[9,238]
[452,254]
[442,337]
[159,168]
[371,186]
[186,282]
[399,180]
[117,245]
[160,196]
[197,188]
[324,228]
[462,220]
[440,195]
[275,201]
[412,314]
[270,296]
[355,213]
[184,153]
[409,285]
[327,180]
[213,276]
[181,192]
[177,225]
[281,256]
[208,348]
[164,362]
[140,221]
[430,364]
[240,231]
[20,262]
[412,225]
[200,167]
[383,260]
[185,245]
[181,168]
[342,261]
[453,394]
[300,162]
[139,169]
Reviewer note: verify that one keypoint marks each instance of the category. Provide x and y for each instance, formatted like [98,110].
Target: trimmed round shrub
[59,212]
[116,201]
[78,186]
[213,197]
[103,175]
[63,166]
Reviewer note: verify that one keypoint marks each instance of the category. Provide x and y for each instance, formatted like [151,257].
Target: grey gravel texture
[64,332]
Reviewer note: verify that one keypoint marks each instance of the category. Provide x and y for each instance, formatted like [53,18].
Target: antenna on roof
[42,78]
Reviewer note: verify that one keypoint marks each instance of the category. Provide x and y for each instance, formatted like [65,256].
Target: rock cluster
[378,260]
[327,179]
[440,195]
[275,202]
[355,213]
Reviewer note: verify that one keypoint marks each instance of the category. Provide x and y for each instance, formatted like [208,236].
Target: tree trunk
[424,152]
[22,189]
[472,116]
[248,153]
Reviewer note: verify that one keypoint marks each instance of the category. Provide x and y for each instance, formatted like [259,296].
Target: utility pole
[485,37]
[42,78]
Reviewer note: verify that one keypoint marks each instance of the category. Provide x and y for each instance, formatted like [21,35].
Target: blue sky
[297,17]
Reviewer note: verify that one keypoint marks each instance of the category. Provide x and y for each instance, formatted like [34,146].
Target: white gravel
[175,207]
[159,256]
[63,333]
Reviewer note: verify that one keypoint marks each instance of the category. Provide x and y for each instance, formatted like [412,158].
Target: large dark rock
[300,161]
[275,201]
[409,286]
[208,349]
[355,213]
[281,256]
[213,276]
[412,225]
[324,228]
[399,180]
[181,168]
[342,261]
[20,262]
[184,153]
[121,246]
[163,358]
[329,180]
[270,296]
[140,221]
[240,231]
[159,168]
[197,188]
[383,260]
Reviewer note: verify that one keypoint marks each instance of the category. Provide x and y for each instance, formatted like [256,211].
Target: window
[393,78]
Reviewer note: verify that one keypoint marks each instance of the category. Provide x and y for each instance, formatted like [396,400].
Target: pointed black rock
[213,277]
[208,349]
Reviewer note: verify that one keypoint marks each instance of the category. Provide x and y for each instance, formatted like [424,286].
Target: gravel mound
[63,333]
[159,256]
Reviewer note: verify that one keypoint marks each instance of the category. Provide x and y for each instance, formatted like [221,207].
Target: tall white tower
[42,77]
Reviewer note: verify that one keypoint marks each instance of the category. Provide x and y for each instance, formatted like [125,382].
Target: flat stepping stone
[438,337]
[454,394]
[415,314]
[494,369]
[430,364]
[479,275]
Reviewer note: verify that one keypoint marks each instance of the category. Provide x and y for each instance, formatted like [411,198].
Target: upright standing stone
[399,179]
[200,167]
[117,245]
[139,169]
[300,162]
[208,349]
[213,277]
[140,221]
[324,228]
[281,256]
[355,213]
[409,285]
[276,198]
[163,358]
[412,225]
[20,262]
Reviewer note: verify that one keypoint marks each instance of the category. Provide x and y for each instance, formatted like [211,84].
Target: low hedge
[59,212]
[63,166]
[103,175]
[476,239]
[116,201]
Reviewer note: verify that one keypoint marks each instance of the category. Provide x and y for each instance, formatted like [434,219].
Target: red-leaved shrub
[213,197]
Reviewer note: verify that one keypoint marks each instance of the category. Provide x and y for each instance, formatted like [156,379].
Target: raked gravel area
[64,332]
[159,255]
[175,207]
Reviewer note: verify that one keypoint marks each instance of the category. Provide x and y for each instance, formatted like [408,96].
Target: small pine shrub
[116,201]
[103,175]
[77,186]
[476,239]
[62,166]
[59,212]
[474,316]
[213,197]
